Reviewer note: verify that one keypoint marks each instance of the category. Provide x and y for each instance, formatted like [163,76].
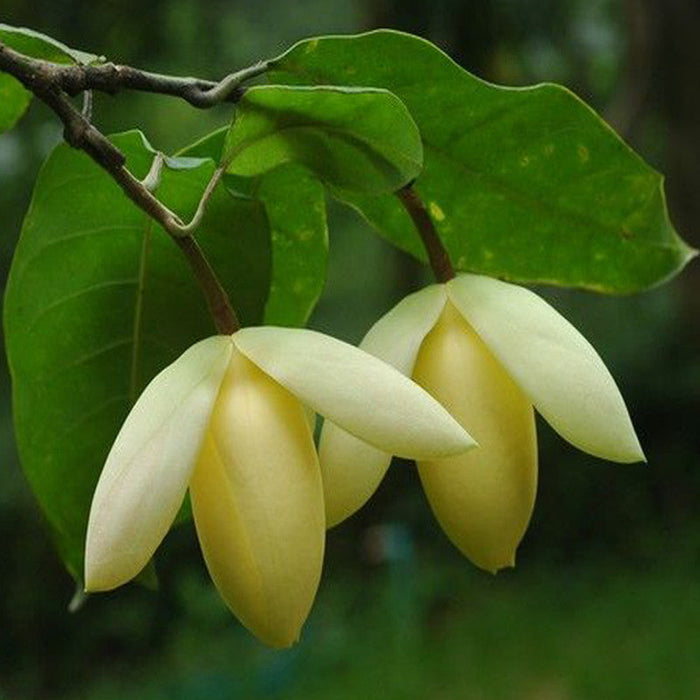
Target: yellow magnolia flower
[488,351]
[226,420]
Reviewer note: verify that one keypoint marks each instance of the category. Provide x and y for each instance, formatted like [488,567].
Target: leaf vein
[39,252]
[94,411]
[525,199]
[76,295]
[92,355]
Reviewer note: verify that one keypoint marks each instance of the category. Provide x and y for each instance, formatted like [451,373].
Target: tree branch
[437,255]
[45,81]
[111,78]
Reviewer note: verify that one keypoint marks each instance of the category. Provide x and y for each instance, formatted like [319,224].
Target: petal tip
[492,564]
[100,575]
[454,441]
[510,564]
[638,456]
[107,567]
[630,453]
[279,639]
[465,440]
[97,584]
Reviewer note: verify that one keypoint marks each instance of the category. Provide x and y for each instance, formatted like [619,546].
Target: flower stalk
[218,302]
[437,255]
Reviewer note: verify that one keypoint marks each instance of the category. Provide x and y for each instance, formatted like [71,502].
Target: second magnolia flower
[226,420]
[489,351]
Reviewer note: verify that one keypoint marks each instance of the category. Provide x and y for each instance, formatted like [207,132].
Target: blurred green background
[605,600]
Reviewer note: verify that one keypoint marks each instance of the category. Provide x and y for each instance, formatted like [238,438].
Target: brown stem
[217,300]
[111,78]
[43,79]
[437,255]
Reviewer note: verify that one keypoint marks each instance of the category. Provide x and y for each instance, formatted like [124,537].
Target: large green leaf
[99,299]
[14,99]
[38,45]
[360,140]
[526,184]
[296,210]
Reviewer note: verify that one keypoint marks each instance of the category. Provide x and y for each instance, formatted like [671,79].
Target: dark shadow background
[605,601]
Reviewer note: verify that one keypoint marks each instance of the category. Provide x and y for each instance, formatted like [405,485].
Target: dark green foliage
[358,140]
[527,184]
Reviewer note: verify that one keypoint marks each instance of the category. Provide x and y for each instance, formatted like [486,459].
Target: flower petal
[483,499]
[397,336]
[352,469]
[258,504]
[552,362]
[362,394]
[145,477]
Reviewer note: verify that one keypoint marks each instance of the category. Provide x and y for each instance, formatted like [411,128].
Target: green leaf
[99,300]
[360,140]
[38,45]
[527,184]
[296,210]
[14,100]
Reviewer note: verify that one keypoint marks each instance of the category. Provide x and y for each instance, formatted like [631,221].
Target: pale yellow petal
[552,363]
[351,468]
[258,504]
[362,394]
[483,499]
[145,478]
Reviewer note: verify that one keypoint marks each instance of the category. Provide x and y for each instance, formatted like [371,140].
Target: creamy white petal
[360,393]
[483,499]
[145,477]
[351,468]
[258,504]
[397,336]
[552,362]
